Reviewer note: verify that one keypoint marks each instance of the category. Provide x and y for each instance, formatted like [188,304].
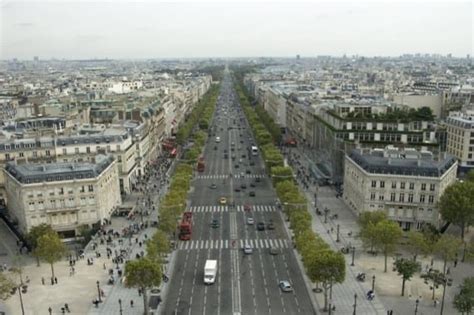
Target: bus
[254,150]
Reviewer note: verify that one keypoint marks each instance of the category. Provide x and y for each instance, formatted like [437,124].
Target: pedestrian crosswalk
[223,176]
[254,208]
[230,244]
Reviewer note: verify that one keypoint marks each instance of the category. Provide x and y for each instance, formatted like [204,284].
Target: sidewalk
[387,285]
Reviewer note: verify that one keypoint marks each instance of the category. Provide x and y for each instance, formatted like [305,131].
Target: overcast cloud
[231,29]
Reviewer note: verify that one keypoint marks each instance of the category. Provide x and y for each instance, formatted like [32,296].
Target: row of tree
[323,265]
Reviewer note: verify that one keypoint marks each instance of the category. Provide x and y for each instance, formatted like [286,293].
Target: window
[88,149]
[402,185]
[40,205]
[430,199]
[83,201]
[35,154]
[422,198]
[401,198]
[423,186]
[53,203]
[83,189]
[381,197]
[91,200]
[119,158]
[91,188]
[382,184]
[64,151]
[372,196]
[62,202]
[412,186]
[47,152]
[61,191]
[394,184]
[76,150]
[410,198]
[7,156]
[432,187]
[374,183]
[22,154]
[31,206]
[392,197]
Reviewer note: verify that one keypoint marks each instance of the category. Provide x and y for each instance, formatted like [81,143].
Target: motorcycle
[361,277]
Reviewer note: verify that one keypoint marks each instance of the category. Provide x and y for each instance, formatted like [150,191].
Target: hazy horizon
[146,30]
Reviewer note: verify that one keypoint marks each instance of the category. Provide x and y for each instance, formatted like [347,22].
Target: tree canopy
[51,249]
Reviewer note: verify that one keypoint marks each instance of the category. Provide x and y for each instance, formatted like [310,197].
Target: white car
[285,286]
[247,249]
[250,221]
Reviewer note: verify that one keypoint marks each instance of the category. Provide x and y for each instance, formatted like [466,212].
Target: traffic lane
[199,291]
[225,283]
[247,284]
[275,295]
[179,295]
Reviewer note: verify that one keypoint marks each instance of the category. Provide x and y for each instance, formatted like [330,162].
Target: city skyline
[125,30]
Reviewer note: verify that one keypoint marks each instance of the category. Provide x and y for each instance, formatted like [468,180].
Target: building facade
[63,195]
[406,184]
[460,138]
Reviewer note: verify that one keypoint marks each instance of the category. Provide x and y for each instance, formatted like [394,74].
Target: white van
[218,139]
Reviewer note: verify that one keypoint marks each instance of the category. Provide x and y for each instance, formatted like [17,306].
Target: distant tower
[35,58]
[297,57]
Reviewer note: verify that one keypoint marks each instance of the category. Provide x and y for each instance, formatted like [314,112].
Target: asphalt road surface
[245,283]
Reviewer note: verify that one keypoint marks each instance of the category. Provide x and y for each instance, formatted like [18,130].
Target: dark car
[271,225]
[257,179]
[236,165]
[261,226]
[226,156]
[243,156]
[252,163]
[252,185]
[243,186]
[215,223]
[248,172]
[237,189]
[252,194]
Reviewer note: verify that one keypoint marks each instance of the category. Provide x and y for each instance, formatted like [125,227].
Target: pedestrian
[50,310]
[66,306]
[131,303]
[435,303]
[52,281]
[42,280]
[55,280]
[455,262]
[104,267]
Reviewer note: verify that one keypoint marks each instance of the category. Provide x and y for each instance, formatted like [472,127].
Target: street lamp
[337,237]
[98,291]
[373,283]
[355,304]
[416,306]
[353,254]
[326,211]
[120,305]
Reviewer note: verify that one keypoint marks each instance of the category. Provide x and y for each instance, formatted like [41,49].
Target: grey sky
[231,29]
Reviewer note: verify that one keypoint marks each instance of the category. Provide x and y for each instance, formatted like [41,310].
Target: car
[252,163]
[236,165]
[232,149]
[252,194]
[243,156]
[223,200]
[215,223]
[257,180]
[232,144]
[215,147]
[252,185]
[261,226]
[243,186]
[225,150]
[250,221]
[242,141]
[285,286]
[226,156]
[213,186]
[248,172]
[237,189]
[274,251]
[271,225]
[247,249]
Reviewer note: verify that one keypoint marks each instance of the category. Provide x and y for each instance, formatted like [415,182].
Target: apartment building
[63,195]
[460,138]
[405,183]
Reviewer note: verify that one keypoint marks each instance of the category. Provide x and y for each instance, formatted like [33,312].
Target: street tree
[464,300]
[326,267]
[34,234]
[281,173]
[406,268]
[457,205]
[143,274]
[157,246]
[388,234]
[447,247]
[371,217]
[6,286]
[417,244]
[51,249]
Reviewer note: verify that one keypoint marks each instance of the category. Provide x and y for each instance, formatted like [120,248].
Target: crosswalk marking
[225,244]
[223,176]
[255,208]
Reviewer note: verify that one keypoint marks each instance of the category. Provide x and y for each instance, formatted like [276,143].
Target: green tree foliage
[280,173]
[417,244]
[326,267]
[367,221]
[464,300]
[457,205]
[34,234]
[388,234]
[51,249]
[158,246]
[86,233]
[406,268]
[447,247]
[6,286]
[143,274]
